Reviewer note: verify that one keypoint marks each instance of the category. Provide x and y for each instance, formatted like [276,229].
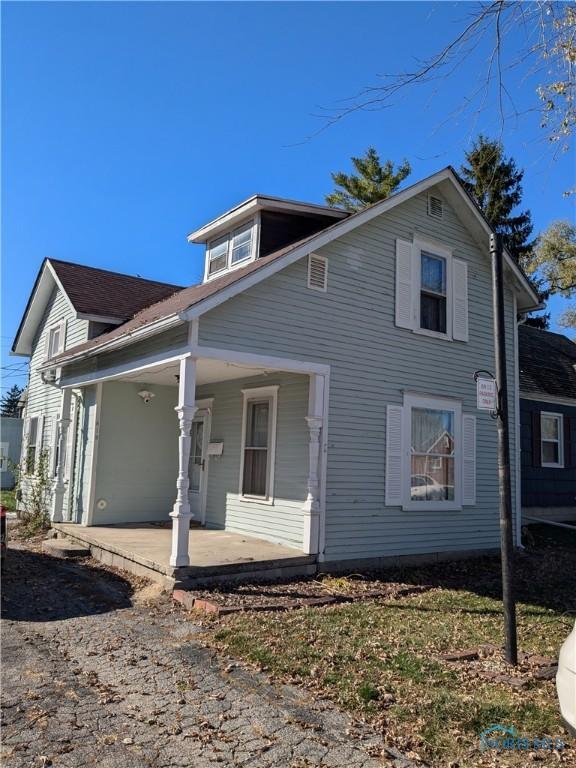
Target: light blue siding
[137,457]
[352,328]
[282,521]
[44,399]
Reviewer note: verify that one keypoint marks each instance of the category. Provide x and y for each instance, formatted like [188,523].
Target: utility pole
[506,542]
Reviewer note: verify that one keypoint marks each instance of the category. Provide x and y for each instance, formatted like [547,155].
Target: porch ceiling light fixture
[146,395]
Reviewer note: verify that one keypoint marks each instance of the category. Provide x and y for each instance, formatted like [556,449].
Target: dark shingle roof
[178,302]
[95,291]
[547,363]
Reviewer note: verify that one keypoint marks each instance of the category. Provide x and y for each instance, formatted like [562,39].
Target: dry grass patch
[382,661]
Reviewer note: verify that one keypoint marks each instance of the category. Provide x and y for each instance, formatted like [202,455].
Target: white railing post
[181,513]
[59,486]
[313,504]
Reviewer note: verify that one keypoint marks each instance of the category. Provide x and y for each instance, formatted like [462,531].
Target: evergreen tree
[374,181]
[9,401]
[496,184]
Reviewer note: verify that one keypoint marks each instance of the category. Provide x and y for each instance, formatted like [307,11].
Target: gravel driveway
[92,675]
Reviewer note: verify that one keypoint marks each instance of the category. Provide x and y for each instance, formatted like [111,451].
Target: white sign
[486,397]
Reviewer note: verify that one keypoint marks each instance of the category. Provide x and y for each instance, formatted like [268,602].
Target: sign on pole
[486,394]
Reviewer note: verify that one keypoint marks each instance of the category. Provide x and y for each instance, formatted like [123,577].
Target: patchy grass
[8,500]
[381,659]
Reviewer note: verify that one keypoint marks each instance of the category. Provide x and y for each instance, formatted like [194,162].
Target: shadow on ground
[37,587]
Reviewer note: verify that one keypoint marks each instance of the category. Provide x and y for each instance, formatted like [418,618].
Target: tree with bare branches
[547,53]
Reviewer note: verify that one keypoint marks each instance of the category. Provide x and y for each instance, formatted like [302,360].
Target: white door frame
[204,413]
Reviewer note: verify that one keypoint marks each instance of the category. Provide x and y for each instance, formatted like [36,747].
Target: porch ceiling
[207,372]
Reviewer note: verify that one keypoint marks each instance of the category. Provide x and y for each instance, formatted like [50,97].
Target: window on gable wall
[551,439]
[433,292]
[55,340]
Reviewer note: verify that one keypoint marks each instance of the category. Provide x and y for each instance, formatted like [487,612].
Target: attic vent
[317,272]
[435,207]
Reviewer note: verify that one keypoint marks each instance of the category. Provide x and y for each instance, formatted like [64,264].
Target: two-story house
[315,391]
[548,425]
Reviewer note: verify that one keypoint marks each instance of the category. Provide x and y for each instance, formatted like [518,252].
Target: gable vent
[317,272]
[435,207]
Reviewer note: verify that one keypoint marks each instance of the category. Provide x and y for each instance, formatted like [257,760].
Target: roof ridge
[112,272]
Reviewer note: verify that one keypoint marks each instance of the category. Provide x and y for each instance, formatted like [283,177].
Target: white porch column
[59,486]
[313,504]
[181,514]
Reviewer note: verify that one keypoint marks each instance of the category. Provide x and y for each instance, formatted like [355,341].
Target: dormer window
[229,251]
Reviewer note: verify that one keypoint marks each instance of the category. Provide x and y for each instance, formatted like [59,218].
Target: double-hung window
[258,443]
[55,339]
[433,292]
[430,454]
[231,250]
[551,439]
[32,445]
[433,452]
[3,457]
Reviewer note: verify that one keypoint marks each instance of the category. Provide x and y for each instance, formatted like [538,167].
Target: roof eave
[255,203]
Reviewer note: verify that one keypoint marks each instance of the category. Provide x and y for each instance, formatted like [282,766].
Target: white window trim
[39,445]
[255,239]
[560,419]
[260,393]
[434,249]
[61,327]
[4,456]
[439,404]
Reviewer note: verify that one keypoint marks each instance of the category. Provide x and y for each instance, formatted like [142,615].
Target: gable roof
[547,363]
[92,293]
[195,300]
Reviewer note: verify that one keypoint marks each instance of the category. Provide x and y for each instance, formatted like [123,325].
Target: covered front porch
[193,464]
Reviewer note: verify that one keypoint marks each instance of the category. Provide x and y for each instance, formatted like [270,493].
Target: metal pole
[506,542]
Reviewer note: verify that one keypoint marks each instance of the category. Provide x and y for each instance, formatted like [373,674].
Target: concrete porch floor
[144,549]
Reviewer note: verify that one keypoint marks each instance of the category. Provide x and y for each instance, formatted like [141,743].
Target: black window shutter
[567,441]
[536,446]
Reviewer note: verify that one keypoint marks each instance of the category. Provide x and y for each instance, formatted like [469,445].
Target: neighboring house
[322,369]
[10,447]
[548,424]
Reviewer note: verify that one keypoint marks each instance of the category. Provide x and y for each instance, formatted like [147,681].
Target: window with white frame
[3,457]
[431,290]
[32,445]
[231,250]
[551,439]
[258,443]
[55,341]
[430,454]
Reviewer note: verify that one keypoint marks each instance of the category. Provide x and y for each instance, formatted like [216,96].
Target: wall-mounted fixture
[146,395]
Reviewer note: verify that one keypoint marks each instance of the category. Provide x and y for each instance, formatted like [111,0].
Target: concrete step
[65,549]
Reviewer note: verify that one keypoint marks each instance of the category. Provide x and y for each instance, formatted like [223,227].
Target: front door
[197,469]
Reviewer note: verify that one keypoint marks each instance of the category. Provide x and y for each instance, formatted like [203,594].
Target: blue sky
[126,125]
